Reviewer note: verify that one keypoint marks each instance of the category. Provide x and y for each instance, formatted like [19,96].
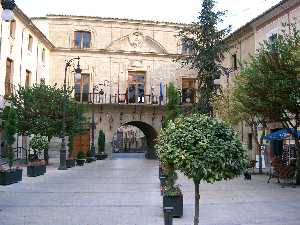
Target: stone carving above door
[137,42]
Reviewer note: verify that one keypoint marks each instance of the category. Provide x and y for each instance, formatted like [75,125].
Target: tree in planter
[9,135]
[206,47]
[270,80]
[39,143]
[204,149]
[40,111]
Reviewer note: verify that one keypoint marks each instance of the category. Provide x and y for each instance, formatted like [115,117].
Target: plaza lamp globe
[77,75]
[8,7]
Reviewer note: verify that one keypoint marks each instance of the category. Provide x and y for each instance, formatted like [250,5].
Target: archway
[150,136]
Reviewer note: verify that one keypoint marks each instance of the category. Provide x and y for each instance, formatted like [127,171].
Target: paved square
[126,192]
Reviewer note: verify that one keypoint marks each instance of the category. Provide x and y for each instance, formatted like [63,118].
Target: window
[82,39]
[185,48]
[250,141]
[43,55]
[30,41]
[12,29]
[234,62]
[188,90]
[136,87]
[27,79]
[82,88]
[9,77]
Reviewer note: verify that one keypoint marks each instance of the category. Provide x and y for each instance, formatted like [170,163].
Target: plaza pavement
[125,191]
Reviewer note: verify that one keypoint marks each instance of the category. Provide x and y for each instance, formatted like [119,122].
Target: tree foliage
[9,134]
[206,46]
[39,143]
[173,108]
[270,81]
[203,148]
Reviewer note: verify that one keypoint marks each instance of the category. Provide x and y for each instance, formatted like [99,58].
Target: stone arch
[151,135]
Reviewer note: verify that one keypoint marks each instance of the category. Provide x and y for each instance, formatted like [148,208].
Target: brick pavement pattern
[125,191]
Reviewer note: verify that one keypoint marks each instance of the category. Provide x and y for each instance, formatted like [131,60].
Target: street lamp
[63,151]
[8,7]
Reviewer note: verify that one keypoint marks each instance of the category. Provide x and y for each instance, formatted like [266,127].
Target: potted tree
[11,175]
[89,157]
[37,167]
[203,149]
[101,146]
[80,158]
[172,195]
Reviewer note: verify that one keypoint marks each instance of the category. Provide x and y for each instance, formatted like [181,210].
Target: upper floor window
[234,62]
[9,77]
[185,48]
[82,87]
[43,55]
[30,42]
[12,29]
[188,90]
[82,39]
[28,79]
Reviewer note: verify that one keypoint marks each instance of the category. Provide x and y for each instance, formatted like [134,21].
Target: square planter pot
[90,159]
[80,162]
[70,163]
[176,202]
[101,156]
[10,177]
[36,170]
[19,174]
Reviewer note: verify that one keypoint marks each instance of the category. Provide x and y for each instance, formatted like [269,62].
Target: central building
[128,63]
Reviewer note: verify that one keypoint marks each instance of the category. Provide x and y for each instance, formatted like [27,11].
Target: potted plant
[89,157]
[172,195]
[80,158]
[101,146]
[10,175]
[36,168]
[70,160]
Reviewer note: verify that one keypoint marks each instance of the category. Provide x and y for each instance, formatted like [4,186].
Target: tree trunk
[258,147]
[197,199]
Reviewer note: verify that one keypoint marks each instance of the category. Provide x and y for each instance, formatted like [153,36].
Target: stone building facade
[24,57]
[246,40]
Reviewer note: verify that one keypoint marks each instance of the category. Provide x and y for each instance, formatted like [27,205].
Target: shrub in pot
[80,158]
[101,146]
[10,175]
[71,162]
[89,157]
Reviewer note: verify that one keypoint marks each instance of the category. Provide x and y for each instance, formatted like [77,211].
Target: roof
[247,27]
[30,25]
[111,19]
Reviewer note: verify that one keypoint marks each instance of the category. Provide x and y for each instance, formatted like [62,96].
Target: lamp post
[96,88]
[63,151]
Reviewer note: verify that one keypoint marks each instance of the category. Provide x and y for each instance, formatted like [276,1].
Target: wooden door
[81,142]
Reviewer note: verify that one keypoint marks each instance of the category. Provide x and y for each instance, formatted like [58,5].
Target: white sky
[185,11]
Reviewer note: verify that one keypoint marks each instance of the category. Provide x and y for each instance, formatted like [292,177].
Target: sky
[239,12]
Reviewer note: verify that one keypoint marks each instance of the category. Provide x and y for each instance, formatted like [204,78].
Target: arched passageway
[145,145]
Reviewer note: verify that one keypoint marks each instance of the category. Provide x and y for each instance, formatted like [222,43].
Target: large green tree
[204,149]
[206,48]
[40,108]
[270,81]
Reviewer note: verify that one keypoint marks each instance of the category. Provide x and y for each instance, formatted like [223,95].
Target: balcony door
[136,87]
[82,88]
[188,90]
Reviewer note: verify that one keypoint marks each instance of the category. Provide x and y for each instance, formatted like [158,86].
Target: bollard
[168,214]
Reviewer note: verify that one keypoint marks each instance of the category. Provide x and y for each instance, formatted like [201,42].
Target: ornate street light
[63,151]
[8,7]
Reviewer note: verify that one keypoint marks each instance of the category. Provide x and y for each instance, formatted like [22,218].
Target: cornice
[112,52]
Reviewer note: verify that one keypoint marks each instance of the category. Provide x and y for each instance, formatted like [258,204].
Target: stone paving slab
[126,192]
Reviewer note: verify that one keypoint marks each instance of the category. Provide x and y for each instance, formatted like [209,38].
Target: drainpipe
[37,63]
[240,43]
[21,61]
